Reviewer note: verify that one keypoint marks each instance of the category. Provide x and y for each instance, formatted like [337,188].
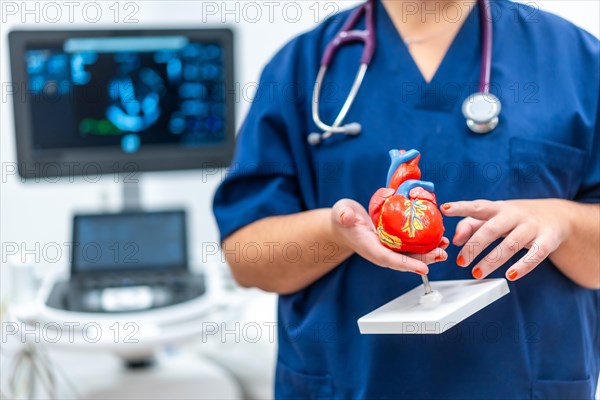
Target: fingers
[486,221]
[436,255]
[365,242]
[478,209]
[514,242]
[347,217]
[465,229]
[360,236]
[406,262]
[540,248]
[444,243]
[402,261]
[384,257]
[482,238]
[414,262]
[398,261]
[346,212]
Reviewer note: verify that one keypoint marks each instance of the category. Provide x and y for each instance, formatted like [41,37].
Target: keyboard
[136,279]
[166,288]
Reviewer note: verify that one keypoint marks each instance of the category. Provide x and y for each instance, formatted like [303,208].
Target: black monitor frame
[57,163]
[76,271]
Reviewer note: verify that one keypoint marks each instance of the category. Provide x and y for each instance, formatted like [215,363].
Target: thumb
[347,217]
[344,213]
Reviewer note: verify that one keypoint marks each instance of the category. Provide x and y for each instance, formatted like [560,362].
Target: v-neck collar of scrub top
[457,73]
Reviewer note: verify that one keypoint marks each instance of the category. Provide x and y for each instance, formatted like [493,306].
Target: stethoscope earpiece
[481,111]
[314,139]
[353,129]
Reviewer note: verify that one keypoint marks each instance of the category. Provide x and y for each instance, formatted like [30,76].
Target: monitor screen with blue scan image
[161,99]
[129,241]
[128,92]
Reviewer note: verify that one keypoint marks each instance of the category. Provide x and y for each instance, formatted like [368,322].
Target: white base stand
[407,315]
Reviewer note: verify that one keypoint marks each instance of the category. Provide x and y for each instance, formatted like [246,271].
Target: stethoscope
[480,109]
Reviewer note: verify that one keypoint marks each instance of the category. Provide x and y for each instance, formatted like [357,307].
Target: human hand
[353,228]
[537,225]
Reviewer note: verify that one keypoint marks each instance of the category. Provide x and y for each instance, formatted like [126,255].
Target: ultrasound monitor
[122,101]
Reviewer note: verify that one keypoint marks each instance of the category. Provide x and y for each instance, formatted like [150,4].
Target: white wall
[40,213]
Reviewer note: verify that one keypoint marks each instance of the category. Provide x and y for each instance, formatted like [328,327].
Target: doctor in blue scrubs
[520,202]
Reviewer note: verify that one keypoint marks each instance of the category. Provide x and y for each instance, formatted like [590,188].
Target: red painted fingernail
[446,207]
[460,260]
[439,258]
[477,274]
[512,274]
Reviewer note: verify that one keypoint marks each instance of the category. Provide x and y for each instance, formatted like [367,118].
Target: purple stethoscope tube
[480,109]
[485,16]
[347,35]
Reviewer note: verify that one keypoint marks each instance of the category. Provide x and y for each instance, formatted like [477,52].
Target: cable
[31,365]
[46,360]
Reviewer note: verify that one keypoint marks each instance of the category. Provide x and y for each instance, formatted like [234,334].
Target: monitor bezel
[76,270]
[83,161]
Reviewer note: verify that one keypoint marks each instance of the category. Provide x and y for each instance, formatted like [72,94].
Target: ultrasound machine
[123,102]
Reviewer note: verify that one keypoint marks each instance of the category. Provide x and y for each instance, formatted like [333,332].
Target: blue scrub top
[541,340]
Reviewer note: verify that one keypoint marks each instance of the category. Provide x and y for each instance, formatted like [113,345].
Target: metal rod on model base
[426,284]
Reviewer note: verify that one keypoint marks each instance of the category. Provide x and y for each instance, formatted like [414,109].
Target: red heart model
[405,212]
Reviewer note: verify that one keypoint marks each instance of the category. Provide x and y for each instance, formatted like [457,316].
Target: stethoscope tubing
[486,40]
[335,127]
[368,37]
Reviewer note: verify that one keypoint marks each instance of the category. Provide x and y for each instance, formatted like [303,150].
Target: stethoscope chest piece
[481,111]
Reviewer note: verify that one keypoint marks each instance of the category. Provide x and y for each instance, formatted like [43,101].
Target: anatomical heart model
[407,219]
[405,213]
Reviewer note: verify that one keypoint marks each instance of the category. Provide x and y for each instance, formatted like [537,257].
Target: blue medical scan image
[129,92]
